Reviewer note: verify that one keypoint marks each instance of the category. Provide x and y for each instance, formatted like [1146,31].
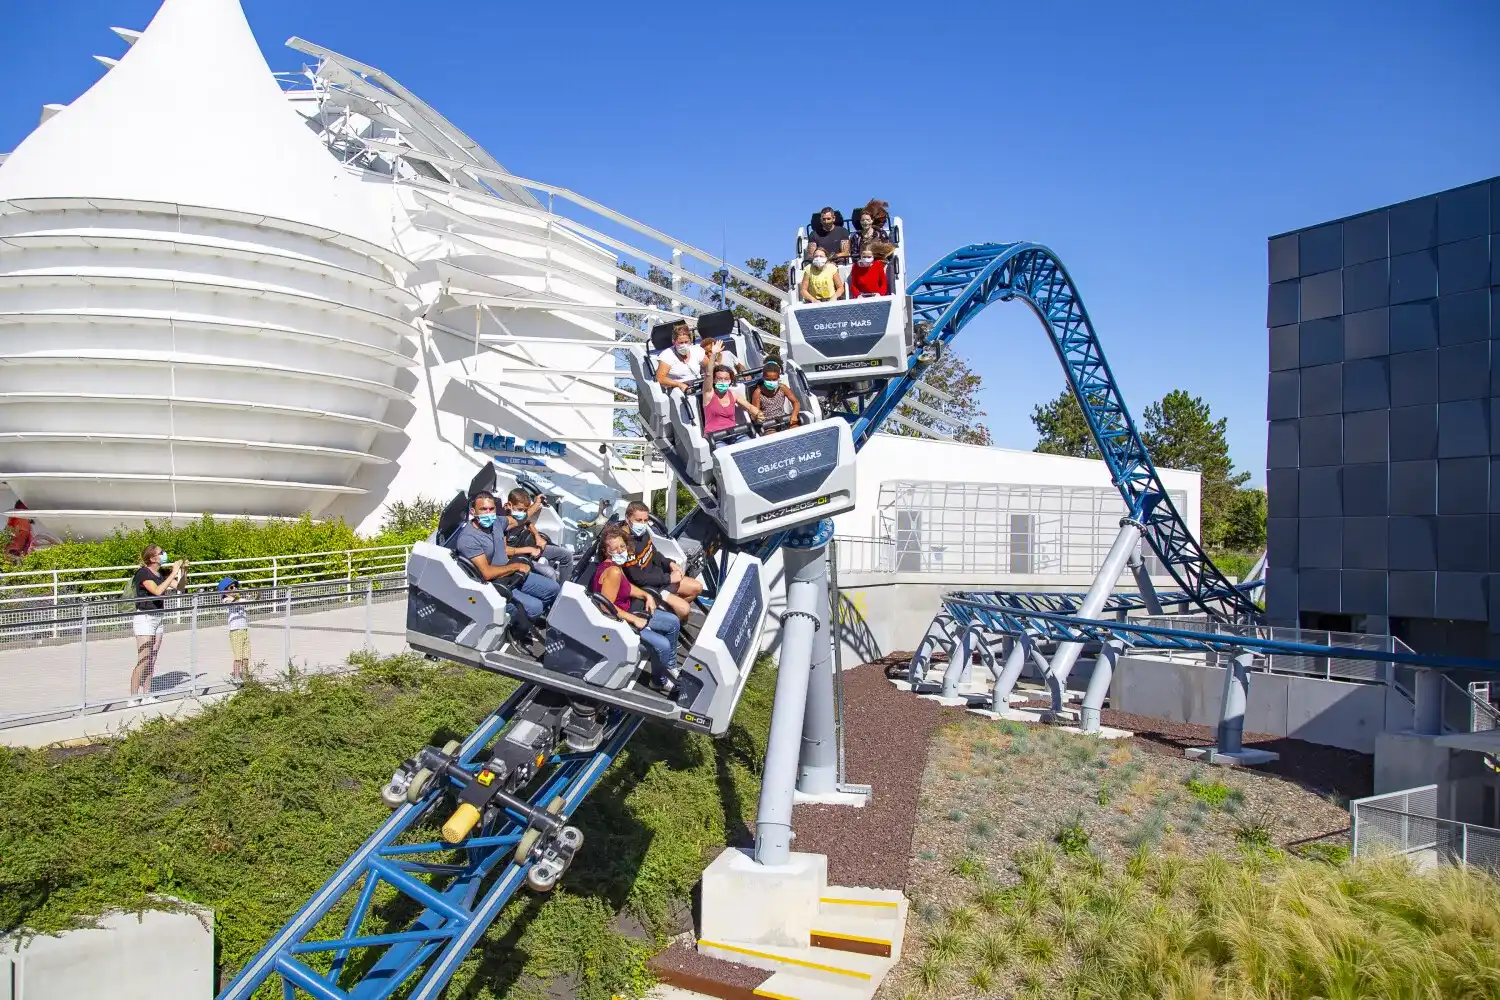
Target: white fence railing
[1406,823]
[79,660]
[36,597]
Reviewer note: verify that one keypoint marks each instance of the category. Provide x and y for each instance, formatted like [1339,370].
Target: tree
[1061,428]
[962,419]
[1180,433]
[1245,524]
[627,423]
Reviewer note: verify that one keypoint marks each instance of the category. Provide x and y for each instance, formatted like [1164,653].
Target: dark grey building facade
[1383,447]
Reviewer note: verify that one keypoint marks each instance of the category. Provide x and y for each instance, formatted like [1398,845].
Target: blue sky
[1154,147]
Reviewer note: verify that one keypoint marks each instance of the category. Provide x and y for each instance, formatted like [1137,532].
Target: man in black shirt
[830,236]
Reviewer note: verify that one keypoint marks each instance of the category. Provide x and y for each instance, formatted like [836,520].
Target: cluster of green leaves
[210,538]
[1180,432]
[250,806]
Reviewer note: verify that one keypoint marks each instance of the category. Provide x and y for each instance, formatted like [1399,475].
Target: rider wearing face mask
[637,607]
[869,276]
[719,405]
[648,568]
[525,541]
[681,363]
[821,281]
[773,399]
[481,541]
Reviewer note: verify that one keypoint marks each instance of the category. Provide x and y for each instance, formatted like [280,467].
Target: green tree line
[1180,432]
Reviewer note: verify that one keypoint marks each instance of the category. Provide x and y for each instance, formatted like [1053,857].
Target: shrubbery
[209,538]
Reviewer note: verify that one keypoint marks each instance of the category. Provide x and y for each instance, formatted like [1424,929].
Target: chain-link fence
[80,659]
[1406,823]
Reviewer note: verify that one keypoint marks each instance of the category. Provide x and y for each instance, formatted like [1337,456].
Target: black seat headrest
[718,325]
[661,335]
[838,218]
[453,515]
[484,480]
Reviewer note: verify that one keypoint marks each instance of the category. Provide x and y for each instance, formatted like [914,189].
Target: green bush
[209,538]
[250,806]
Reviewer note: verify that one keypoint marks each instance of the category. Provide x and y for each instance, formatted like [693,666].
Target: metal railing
[1406,823]
[1325,667]
[79,660]
[866,554]
[33,597]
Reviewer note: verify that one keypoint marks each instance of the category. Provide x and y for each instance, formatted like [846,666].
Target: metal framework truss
[957,288]
[1048,626]
[455,893]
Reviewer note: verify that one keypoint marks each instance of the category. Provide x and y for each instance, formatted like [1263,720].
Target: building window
[1022,551]
[908,541]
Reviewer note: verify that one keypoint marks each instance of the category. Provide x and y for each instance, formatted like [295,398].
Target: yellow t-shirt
[820,285]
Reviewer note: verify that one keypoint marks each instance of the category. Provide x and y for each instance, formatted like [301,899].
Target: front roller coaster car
[590,653]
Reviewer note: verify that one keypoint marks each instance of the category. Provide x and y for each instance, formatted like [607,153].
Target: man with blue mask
[650,570]
[478,542]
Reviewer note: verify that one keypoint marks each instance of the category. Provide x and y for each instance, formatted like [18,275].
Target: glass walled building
[1384,423]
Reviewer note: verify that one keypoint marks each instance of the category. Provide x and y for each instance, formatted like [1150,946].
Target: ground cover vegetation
[1055,865]
[250,806]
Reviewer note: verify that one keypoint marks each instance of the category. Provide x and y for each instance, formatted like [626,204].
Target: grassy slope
[249,807]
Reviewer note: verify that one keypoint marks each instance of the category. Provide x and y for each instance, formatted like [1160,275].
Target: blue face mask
[640,527]
[721,386]
[519,515]
[486,520]
[771,383]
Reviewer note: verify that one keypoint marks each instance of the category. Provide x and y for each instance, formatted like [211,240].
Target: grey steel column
[1143,578]
[1021,648]
[817,771]
[1232,711]
[805,561]
[1093,698]
[1427,693]
[1093,603]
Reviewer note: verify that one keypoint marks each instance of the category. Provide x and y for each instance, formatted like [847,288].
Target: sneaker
[151,700]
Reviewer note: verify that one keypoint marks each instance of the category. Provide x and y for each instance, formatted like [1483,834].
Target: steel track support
[1098,690]
[1143,578]
[805,558]
[1126,542]
[817,771]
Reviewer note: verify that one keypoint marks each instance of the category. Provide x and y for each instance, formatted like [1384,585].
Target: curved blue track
[456,894]
[953,291]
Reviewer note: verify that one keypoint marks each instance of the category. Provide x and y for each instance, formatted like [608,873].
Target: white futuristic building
[350,303]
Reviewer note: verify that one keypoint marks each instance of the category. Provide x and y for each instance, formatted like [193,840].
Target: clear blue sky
[1153,149]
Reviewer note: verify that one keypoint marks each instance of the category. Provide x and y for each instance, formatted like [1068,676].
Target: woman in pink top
[719,403]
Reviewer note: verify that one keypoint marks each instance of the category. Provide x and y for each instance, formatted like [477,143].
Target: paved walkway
[95,675]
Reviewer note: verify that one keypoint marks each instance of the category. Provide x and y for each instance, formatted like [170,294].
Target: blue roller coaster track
[324,951]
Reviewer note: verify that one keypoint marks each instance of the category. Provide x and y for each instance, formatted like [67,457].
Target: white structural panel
[186,326]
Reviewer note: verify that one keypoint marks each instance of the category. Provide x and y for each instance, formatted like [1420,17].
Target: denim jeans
[561,561]
[535,595]
[660,639]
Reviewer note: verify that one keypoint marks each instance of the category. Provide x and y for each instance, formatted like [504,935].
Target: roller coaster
[501,800]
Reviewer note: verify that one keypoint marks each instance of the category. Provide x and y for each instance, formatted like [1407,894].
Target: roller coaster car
[590,653]
[850,340]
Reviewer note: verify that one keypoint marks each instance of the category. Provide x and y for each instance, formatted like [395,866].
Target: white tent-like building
[330,300]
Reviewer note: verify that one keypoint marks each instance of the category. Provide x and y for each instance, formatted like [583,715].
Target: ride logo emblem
[847,330]
[746,609]
[789,466]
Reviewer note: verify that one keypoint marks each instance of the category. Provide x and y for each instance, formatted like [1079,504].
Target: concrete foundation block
[1243,758]
[127,956]
[1103,732]
[842,797]
[749,903]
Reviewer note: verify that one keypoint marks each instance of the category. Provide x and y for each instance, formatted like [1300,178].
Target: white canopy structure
[347,302]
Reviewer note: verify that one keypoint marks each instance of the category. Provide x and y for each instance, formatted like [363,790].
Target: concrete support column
[1427,719]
